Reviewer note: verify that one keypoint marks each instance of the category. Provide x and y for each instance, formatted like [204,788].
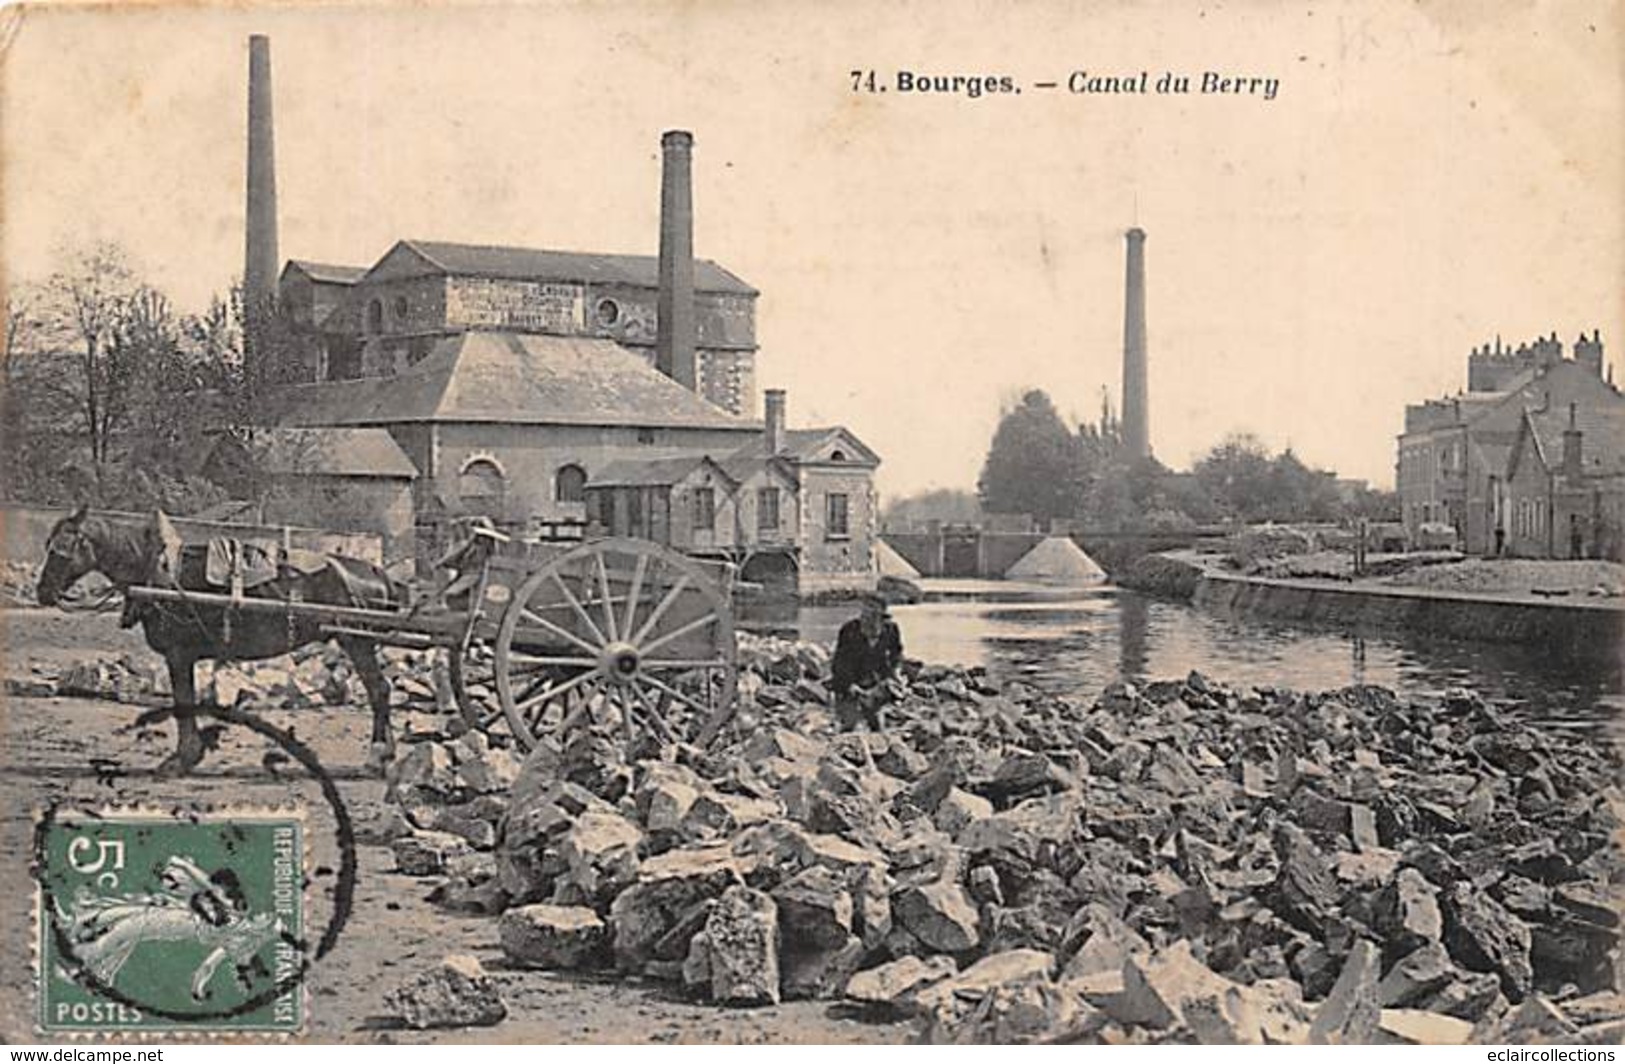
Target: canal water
[1077,642]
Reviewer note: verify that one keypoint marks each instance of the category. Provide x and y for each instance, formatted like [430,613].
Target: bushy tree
[1032,464]
[1249,484]
[1236,474]
[105,390]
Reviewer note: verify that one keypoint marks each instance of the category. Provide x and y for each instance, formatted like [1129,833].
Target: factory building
[537,387]
[379,321]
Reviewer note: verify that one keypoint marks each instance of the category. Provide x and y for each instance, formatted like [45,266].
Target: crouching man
[863,675]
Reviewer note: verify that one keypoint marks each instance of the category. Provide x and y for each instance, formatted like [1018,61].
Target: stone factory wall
[401,319]
[377,505]
[829,560]
[530,456]
[687,533]
[748,510]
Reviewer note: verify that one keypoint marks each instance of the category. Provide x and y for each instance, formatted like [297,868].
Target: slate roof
[801,445]
[744,463]
[514,378]
[536,264]
[653,472]
[348,452]
[1602,440]
[327,272]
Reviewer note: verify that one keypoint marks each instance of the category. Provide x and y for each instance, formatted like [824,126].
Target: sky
[1428,176]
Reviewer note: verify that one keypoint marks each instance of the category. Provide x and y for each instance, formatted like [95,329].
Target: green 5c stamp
[171,921]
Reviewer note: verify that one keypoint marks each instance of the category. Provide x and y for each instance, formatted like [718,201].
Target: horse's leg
[188,743]
[365,656]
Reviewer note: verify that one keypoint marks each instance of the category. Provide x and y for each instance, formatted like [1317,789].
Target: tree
[85,304]
[947,505]
[1373,505]
[1298,493]
[236,385]
[1032,463]
[104,390]
[1236,474]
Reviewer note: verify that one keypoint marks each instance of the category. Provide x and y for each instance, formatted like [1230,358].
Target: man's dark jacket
[860,663]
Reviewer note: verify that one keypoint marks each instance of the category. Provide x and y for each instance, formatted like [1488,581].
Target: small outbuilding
[344,479]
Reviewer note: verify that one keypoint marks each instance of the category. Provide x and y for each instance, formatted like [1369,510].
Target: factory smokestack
[1136,422]
[260,250]
[674,325]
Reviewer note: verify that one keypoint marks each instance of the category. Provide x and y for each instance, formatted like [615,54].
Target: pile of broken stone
[311,677]
[1180,861]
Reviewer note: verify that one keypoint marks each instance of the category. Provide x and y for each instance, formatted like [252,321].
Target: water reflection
[1081,643]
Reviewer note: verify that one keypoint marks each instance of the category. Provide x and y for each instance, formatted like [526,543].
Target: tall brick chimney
[260,250]
[1136,423]
[675,325]
[773,399]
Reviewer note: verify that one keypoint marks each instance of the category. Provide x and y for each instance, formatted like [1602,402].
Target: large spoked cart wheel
[614,632]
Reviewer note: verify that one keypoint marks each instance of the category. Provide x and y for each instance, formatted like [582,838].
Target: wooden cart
[544,635]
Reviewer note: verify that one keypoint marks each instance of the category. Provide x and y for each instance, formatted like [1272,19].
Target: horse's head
[70,553]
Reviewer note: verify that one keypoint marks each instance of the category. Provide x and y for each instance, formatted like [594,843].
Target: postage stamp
[165,921]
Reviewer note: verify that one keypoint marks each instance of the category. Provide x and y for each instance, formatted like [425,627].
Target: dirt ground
[46,751]
[1521,576]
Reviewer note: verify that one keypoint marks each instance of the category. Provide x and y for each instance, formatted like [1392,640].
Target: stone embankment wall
[1581,629]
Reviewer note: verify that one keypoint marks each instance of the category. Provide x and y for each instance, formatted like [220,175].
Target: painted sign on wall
[528,305]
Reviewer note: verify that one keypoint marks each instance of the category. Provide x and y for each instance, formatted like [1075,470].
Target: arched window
[570,484]
[375,316]
[482,489]
[837,455]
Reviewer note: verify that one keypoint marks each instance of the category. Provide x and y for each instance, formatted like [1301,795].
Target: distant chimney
[1588,351]
[1571,446]
[773,398]
[674,324]
[1136,425]
[260,254]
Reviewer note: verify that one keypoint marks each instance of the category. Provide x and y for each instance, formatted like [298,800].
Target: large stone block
[742,936]
[456,993]
[552,936]
[1350,1014]
[815,908]
[668,887]
[1484,937]
[939,914]
[896,983]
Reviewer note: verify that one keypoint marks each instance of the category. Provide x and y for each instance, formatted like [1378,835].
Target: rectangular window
[705,509]
[836,517]
[634,512]
[767,510]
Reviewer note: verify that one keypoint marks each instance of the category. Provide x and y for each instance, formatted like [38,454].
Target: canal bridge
[972,551]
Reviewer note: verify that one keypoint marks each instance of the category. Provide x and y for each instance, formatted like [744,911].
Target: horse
[129,552]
